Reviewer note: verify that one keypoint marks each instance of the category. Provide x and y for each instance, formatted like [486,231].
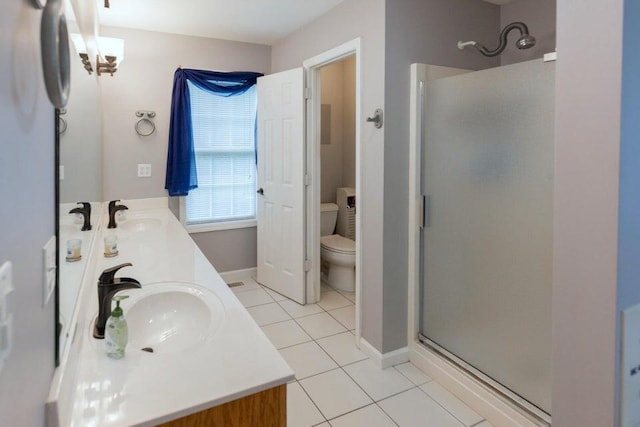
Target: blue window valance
[181,164]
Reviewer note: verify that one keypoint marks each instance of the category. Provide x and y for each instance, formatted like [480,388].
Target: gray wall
[26,214]
[347,21]
[629,215]
[586,212]
[540,17]
[144,82]
[424,31]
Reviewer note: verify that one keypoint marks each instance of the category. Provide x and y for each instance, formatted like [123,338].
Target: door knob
[260,191]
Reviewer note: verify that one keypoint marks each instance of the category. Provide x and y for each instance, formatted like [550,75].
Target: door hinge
[426,211]
[307,265]
[307,93]
[307,179]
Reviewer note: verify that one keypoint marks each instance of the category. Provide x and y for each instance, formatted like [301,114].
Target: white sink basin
[171,317]
[137,225]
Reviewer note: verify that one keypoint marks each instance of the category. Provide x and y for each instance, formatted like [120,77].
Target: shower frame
[491,400]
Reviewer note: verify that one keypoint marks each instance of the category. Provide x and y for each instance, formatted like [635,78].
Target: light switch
[49,268]
[630,383]
[144,170]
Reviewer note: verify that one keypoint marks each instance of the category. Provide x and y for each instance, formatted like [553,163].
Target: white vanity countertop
[150,388]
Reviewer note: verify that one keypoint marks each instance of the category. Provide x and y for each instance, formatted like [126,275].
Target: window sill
[220,226]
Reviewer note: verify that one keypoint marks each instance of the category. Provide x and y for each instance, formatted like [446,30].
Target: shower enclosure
[486,241]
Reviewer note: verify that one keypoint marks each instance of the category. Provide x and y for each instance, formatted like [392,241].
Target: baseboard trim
[237,275]
[385,360]
[479,398]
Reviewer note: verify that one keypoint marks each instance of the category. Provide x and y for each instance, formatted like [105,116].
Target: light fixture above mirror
[110,56]
[112,50]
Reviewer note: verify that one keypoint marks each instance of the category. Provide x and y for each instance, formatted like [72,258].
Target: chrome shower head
[526,41]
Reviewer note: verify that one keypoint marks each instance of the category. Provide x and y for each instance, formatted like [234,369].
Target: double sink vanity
[194,353]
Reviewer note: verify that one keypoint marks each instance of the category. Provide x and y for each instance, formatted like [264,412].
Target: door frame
[312,73]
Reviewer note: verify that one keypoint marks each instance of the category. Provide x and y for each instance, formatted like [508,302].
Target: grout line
[387,414]
[314,403]
[448,411]
[478,423]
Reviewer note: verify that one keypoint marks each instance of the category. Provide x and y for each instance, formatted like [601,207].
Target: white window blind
[223,139]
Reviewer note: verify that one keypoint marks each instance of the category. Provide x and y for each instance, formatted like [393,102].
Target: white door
[281,220]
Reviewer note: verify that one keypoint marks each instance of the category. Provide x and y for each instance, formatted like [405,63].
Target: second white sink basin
[137,225]
[172,317]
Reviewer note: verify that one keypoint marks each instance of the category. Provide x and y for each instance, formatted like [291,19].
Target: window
[224,145]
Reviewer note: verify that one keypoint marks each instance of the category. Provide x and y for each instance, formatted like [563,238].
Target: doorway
[344,58]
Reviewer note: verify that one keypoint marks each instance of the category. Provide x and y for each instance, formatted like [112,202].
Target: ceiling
[254,21]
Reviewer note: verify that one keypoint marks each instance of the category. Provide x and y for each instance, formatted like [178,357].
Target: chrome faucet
[108,286]
[113,208]
[85,211]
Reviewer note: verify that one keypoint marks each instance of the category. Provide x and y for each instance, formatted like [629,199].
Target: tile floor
[336,385]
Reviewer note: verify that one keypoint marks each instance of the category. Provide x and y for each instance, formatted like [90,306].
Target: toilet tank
[328,217]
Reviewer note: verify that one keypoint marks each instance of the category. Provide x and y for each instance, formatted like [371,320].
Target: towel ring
[146,117]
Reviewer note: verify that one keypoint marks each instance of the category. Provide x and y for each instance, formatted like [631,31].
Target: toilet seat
[338,244]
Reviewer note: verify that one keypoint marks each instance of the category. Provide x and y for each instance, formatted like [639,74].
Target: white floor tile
[369,416]
[414,408]
[320,325]
[451,403]
[342,348]
[276,296]
[351,296]
[285,334]
[325,288]
[335,393]
[254,297]
[296,310]
[378,383]
[414,374]
[301,412]
[332,300]
[307,359]
[485,423]
[268,313]
[322,425]
[346,316]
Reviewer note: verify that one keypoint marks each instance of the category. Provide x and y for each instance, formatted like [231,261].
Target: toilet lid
[338,243]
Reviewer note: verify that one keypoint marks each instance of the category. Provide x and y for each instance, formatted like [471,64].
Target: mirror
[80,180]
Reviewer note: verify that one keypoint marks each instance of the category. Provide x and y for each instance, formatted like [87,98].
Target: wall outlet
[630,393]
[49,268]
[144,170]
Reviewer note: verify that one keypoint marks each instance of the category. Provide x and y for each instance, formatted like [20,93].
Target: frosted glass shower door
[488,143]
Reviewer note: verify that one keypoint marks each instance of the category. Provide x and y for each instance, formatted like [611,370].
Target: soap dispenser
[116,333]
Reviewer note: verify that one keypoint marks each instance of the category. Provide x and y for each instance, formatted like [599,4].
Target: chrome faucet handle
[108,276]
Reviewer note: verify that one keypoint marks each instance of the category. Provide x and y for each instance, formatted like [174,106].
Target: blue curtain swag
[181,162]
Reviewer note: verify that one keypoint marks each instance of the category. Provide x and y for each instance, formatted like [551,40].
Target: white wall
[144,82]
[347,21]
[26,213]
[349,123]
[338,160]
[586,212]
[332,83]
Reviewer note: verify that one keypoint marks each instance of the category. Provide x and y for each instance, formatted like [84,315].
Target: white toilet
[338,251]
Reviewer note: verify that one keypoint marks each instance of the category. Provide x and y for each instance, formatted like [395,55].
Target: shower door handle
[260,191]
